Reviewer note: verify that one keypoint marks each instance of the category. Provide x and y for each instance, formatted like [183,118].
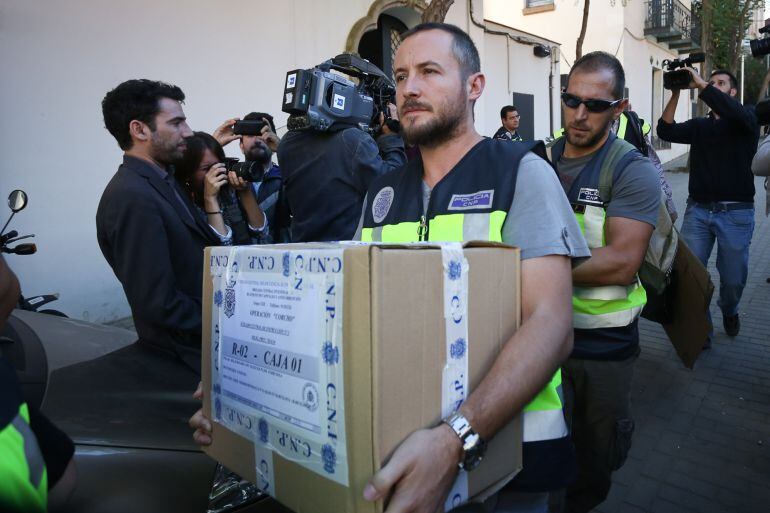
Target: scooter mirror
[17,200]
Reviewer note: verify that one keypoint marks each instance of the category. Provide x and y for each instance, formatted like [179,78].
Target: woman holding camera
[203,175]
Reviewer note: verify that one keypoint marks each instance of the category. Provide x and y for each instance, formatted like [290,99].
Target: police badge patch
[589,196]
[381,204]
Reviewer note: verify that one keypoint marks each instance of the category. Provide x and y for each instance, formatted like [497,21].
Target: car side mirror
[17,200]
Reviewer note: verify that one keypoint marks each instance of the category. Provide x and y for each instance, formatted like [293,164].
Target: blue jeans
[732,231]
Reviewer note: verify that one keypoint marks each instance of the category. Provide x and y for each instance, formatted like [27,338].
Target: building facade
[642,34]
[58,59]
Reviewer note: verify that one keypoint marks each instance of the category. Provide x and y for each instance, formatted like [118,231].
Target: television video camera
[322,100]
[676,78]
[761,46]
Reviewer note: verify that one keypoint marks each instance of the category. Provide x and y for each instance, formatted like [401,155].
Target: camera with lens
[676,77]
[323,100]
[249,127]
[249,170]
[761,45]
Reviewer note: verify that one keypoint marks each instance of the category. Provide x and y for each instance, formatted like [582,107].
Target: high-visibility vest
[394,213]
[23,477]
[603,307]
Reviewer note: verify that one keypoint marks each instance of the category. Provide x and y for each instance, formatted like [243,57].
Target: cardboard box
[322,358]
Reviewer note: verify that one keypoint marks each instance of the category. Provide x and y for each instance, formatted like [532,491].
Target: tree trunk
[706,24]
[736,41]
[436,11]
[583,27]
[763,87]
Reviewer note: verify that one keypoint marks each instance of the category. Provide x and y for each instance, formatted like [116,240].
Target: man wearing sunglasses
[607,294]
[720,205]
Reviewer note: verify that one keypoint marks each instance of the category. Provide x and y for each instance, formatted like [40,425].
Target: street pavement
[702,439]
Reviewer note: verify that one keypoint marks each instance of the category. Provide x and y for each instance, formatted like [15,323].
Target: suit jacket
[154,243]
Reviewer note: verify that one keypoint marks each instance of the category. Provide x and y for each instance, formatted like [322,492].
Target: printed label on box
[277,375]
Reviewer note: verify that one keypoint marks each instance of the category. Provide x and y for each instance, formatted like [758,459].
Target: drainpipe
[550,94]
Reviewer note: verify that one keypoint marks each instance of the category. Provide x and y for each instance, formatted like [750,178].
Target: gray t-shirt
[635,195]
[540,221]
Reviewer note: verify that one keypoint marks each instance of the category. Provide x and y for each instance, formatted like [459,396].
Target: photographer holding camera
[328,157]
[720,206]
[203,174]
[258,142]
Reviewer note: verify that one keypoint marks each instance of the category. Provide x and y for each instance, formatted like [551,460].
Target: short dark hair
[505,110]
[257,116]
[135,99]
[185,167]
[463,47]
[733,80]
[598,61]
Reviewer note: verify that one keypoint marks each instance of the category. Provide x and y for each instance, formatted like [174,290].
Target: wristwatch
[473,445]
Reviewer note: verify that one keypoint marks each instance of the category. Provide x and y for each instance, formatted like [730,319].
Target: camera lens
[759,47]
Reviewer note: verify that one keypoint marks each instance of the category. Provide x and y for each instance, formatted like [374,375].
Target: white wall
[512,67]
[562,25]
[57,61]
[616,29]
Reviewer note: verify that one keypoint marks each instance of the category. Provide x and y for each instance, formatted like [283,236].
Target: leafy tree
[754,84]
[724,24]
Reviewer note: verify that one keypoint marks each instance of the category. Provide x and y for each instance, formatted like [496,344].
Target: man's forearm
[670,111]
[606,266]
[529,359]
[392,151]
[254,214]
[520,372]
[727,107]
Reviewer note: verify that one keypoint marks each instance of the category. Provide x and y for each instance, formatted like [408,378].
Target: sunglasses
[573,102]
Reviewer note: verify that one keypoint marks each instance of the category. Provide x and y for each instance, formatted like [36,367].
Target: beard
[259,153]
[165,150]
[591,138]
[441,128]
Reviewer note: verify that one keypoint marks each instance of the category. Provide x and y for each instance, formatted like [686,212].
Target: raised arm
[670,130]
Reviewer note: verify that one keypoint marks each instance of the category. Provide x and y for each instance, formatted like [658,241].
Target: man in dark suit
[147,227]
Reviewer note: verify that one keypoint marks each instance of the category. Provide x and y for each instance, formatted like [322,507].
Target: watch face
[474,455]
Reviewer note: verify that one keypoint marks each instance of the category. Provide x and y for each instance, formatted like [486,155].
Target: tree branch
[583,27]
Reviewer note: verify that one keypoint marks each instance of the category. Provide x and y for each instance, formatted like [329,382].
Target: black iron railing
[672,19]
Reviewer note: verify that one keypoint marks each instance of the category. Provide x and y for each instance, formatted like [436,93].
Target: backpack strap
[641,128]
[617,151]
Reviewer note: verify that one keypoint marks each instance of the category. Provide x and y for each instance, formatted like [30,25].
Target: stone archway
[369,22]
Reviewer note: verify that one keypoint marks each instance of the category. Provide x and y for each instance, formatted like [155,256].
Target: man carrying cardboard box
[464,187]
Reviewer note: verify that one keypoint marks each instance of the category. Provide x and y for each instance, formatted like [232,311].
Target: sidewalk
[702,440]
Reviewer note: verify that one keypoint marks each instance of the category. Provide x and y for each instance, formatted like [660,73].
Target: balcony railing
[669,21]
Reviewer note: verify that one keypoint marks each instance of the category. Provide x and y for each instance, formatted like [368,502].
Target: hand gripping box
[319,359]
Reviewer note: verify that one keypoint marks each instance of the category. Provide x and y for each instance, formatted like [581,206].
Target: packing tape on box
[277,370]
[455,374]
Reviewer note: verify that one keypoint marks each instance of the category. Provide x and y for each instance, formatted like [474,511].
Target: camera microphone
[697,57]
